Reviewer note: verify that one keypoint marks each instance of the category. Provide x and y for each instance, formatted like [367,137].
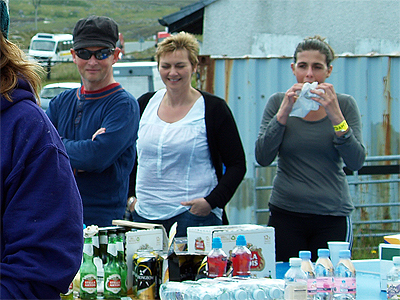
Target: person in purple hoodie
[41,209]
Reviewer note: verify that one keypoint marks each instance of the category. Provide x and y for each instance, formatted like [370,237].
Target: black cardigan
[225,147]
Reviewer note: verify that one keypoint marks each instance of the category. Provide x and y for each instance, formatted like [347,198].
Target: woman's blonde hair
[13,65]
[182,40]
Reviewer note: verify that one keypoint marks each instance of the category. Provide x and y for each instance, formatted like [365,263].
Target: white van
[51,47]
[138,77]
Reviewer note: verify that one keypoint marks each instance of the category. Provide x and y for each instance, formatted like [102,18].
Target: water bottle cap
[241,240]
[294,261]
[258,294]
[323,252]
[205,297]
[396,259]
[216,242]
[275,293]
[305,254]
[240,295]
[344,253]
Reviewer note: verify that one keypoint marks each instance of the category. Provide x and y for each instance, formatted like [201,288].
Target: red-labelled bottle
[216,259]
[241,257]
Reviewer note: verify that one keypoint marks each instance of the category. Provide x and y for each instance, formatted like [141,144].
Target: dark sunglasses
[99,54]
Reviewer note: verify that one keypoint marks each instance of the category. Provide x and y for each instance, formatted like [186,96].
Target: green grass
[136,18]
[62,72]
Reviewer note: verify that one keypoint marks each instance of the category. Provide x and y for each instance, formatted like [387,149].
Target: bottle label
[296,290]
[393,290]
[199,244]
[89,284]
[113,283]
[311,286]
[325,284]
[345,285]
[257,260]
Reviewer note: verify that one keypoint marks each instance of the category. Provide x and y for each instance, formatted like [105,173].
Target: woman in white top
[185,138]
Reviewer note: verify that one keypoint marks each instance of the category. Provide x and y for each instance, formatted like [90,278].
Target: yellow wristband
[341,127]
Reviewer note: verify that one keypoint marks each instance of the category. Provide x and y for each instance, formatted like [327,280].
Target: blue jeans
[184,220]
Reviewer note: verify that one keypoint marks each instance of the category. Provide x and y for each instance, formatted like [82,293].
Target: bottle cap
[274,292]
[240,295]
[241,240]
[259,294]
[216,242]
[323,252]
[294,261]
[305,254]
[396,259]
[344,253]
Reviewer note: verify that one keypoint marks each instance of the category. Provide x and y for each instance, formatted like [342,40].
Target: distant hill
[137,19]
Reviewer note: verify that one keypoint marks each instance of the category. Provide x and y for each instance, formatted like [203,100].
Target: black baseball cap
[95,31]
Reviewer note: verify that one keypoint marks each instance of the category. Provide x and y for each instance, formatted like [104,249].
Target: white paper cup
[334,248]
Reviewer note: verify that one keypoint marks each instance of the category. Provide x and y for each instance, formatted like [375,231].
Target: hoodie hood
[23,91]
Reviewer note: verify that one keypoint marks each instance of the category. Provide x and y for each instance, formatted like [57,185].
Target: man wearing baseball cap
[98,123]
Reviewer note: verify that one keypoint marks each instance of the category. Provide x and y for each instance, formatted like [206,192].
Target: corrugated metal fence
[374,81]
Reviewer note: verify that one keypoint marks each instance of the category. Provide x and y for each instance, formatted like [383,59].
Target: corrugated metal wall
[246,84]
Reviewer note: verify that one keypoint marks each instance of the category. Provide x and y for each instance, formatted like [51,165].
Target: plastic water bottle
[273,288]
[241,257]
[345,278]
[295,281]
[216,259]
[308,267]
[231,287]
[173,290]
[324,275]
[393,280]
[254,292]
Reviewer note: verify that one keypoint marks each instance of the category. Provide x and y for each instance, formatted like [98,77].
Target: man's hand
[99,131]
[199,207]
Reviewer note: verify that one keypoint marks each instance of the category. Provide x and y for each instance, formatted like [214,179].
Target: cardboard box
[147,236]
[260,240]
[184,266]
[386,253]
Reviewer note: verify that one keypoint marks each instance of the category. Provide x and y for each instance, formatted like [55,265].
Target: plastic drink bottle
[112,276]
[308,268]
[88,272]
[324,275]
[295,281]
[233,290]
[393,280]
[216,259]
[345,278]
[241,257]
[273,288]
[70,293]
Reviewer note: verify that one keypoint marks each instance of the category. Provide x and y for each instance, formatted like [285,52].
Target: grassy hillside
[136,18]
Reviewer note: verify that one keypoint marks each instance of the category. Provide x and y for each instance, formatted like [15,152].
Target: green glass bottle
[112,276]
[122,262]
[70,294]
[88,271]
[103,240]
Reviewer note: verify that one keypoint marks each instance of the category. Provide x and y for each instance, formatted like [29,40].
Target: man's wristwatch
[130,201]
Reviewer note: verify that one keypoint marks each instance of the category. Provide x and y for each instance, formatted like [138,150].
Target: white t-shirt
[174,162]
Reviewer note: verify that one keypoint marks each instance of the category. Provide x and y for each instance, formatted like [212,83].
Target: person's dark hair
[316,43]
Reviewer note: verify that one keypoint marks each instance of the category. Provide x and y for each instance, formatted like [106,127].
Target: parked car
[49,91]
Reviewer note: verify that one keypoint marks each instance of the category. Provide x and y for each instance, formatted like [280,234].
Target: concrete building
[273,27]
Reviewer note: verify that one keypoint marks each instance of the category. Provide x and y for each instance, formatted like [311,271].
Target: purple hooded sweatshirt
[41,209]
